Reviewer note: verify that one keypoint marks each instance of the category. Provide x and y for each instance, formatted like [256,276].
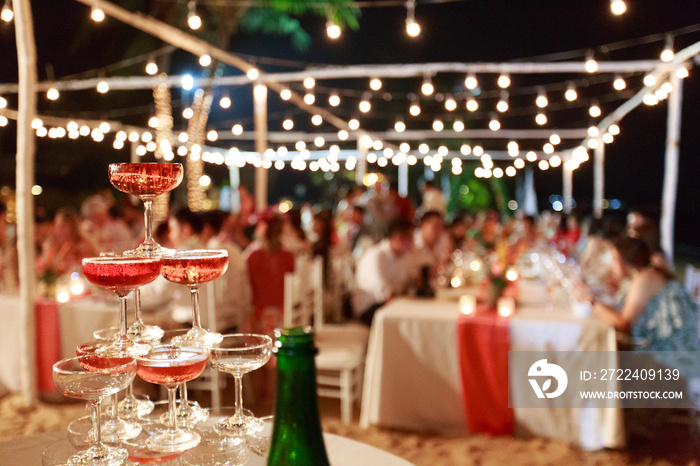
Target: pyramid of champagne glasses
[136,430]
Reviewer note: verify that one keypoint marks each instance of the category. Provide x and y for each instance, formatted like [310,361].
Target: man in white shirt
[382,272]
[431,244]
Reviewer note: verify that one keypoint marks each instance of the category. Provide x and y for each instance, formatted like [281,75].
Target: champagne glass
[170,365]
[193,268]
[238,354]
[121,275]
[114,429]
[146,180]
[92,378]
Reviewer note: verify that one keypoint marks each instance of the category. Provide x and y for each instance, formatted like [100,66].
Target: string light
[667,53]
[97,14]
[151,67]
[458,125]
[510,171]
[319,141]
[354,124]
[309,82]
[548,148]
[365,106]
[520,163]
[614,129]
[543,164]
[502,105]
[594,111]
[427,87]
[503,81]
[593,131]
[570,93]
[193,19]
[399,125]
[7,14]
[412,27]
[414,109]
[591,65]
[470,82]
[332,30]
[225,102]
[472,104]
[494,124]
[405,147]
[205,60]
[253,74]
[316,120]
[423,148]
[309,98]
[619,83]
[554,139]
[530,156]
[649,80]
[102,87]
[285,94]
[375,84]
[343,135]
[334,99]
[187,82]
[438,125]
[541,100]
[187,113]
[608,138]
[52,94]
[541,119]
[618,7]
[237,129]
[450,104]
[554,161]
[650,99]
[478,151]
[513,149]
[682,72]
[3,102]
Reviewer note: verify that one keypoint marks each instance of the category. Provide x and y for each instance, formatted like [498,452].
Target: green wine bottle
[297,439]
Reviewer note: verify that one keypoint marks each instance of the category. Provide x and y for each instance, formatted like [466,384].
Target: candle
[467,304]
[506,306]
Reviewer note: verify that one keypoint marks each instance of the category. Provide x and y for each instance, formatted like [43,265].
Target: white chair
[342,282]
[342,347]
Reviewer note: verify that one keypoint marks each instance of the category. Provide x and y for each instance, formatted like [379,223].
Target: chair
[342,347]
[342,282]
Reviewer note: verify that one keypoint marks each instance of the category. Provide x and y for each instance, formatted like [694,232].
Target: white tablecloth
[413,378]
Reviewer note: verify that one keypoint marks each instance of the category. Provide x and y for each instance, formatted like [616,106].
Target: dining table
[430,367]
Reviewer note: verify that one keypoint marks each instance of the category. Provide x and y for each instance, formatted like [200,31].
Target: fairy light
[570,93]
[279,164]
[650,99]
[7,14]
[187,113]
[438,125]
[543,164]
[608,138]
[682,72]
[225,102]
[309,98]
[594,111]
[354,124]
[399,126]
[618,7]
[427,88]
[3,102]
[591,65]
[593,131]
[614,129]
[554,139]
[405,147]
[316,120]
[253,74]
[667,53]
[309,82]
[300,145]
[458,125]
[377,145]
[478,151]
[343,135]
[513,149]
[285,94]
[520,163]
[423,148]
[151,146]
[498,172]
[319,141]
[187,82]
[334,99]
[619,83]
[151,67]
[504,81]
[502,105]
[511,171]
[52,94]
[494,124]
[288,124]
[375,84]
[85,131]
[554,161]
[205,60]
[592,143]
[548,148]
[450,104]
[193,19]
[465,149]
[183,137]
[470,82]
[237,129]
[530,156]
[147,137]
[212,135]
[472,104]
[42,132]
[102,87]
[153,122]
[333,30]
[411,160]
[414,109]
[541,119]
[649,80]
[541,100]
[365,105]
[412,27]
[97,14]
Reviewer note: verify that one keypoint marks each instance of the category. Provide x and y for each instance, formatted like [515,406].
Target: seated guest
[382,271]
[431,244]
[294,237]
[643,223]
[184,230]
[63,251]
[358,237]
[657,311]
[267,266]
[108,233]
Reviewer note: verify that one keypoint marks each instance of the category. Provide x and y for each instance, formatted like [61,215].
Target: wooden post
[567,186]
[673,139]
[260,118]
[26,58]
[598,178]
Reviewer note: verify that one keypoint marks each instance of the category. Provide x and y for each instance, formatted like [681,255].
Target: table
[26,451]
[60,327]
[413,379]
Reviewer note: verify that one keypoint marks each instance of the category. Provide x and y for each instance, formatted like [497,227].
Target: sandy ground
[674,445]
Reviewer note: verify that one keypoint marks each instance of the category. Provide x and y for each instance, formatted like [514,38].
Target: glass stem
[115,407]
[148,219]
[196,319]
[172,427]
[96,427]
[137,303]
[184,403]
[122,317]
[238,399]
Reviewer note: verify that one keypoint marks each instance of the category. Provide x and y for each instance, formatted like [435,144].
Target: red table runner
[483,344]
[48,343]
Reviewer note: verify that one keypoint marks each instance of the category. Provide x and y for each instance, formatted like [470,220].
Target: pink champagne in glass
[192,269]
[146,180]
[121,275]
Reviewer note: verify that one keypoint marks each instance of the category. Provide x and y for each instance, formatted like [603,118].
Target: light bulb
[7,14]
[510,171]
[591,65]
[614,129]
[354,124]
[541,100]
[309,83]
[503,81]
[502,105]
[319,141]
[52,94]
[334,99]
[472,104]
[470,82]
[494,124]
[667,54]
[593,131]
[548,148]
[365,106]
[153,122]
[237,129]
[375,84]
[205,60]
[682,72]
[458,125]
[309,98]
[571,94]
[187,113]
[343,135]
[520,163]
[225,102]
[194,21]
[649,80]
[97,15]
[594,111]
[151,67]
[412,28]
[427,87]
[399,126]
[317,120]
[102,87]
[333,30]
[618,7]
[555,139]
[438,125]
[619,83]
[414,109]
[541,119]
[253,74]
[450,104]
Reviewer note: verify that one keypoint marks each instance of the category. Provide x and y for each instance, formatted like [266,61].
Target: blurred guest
[643,223]
[323,228]
[43,226]
[185,228]
[266,268]
[657,311]
[382,272]
[132,215]
[402,206]
[431,242]
[9,271]
[109,234]
[457,231]
[433,199]
[597,260]
[65,248]
[378,210]
[358,239]
[294,237]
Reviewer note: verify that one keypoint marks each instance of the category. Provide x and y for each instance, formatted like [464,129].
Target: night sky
[68,43]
